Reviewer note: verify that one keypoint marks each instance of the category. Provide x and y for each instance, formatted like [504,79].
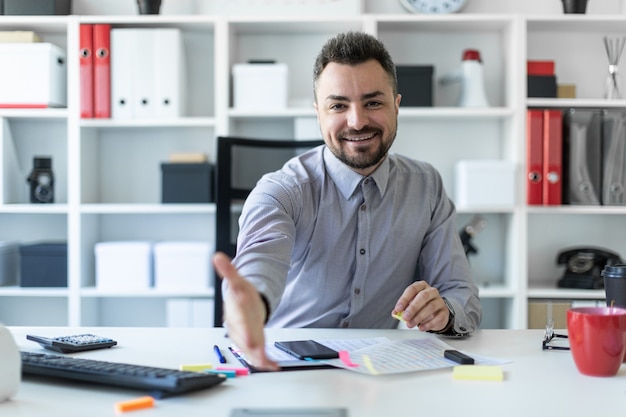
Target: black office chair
[241,162]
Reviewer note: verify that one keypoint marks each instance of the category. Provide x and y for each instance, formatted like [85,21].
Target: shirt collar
[347,180]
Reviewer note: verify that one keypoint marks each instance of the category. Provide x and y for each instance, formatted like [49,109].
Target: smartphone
[307,349]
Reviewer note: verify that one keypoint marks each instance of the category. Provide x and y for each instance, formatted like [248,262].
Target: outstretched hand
[244,314]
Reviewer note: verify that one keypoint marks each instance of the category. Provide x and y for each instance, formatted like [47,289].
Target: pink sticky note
[238,371]
[345,358]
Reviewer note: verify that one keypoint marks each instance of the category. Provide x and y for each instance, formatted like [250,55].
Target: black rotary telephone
[583,267]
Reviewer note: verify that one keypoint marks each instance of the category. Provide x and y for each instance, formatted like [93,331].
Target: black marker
[458,357]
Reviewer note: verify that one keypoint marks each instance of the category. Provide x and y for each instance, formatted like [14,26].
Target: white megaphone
[472,80]
[10,365]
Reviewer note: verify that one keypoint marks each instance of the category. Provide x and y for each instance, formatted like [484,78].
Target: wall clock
[433,6]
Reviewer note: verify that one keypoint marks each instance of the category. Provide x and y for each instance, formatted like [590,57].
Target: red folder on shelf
[102,70]
[534,157]
[86,70]
[552,157]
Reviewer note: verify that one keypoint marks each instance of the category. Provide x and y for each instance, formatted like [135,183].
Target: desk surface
[536,382]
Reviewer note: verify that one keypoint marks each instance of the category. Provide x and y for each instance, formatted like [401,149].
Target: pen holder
[149,6]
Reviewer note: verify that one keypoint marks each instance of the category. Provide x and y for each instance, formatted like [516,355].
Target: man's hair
[352,48]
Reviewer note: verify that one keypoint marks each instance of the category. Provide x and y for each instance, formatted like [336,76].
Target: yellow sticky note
[398,316]
[195,367]
[478,373]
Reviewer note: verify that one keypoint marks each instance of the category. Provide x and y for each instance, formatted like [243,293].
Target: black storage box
[415,84]
[187,183]
[43,265]
[542,86]
[36,7]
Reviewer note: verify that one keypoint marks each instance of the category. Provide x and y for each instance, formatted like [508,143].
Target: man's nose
[357,118]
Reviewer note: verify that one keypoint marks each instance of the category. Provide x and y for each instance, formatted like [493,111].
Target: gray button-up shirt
[331,248]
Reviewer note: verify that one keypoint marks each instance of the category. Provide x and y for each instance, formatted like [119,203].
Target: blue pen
[218,352]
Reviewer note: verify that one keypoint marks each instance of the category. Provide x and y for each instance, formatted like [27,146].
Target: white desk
[537,383]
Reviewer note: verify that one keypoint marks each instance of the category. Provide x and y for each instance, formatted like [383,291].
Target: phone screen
[307,349]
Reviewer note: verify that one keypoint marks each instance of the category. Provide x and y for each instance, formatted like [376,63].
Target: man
[347,235]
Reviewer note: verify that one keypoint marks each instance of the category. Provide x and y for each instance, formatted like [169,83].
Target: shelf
[583,23]
[34,208]
[180,122]
[14,291]
[290,25]
[495,291]
[150,293]
[286,113]
[445,23]
[577,102]
[565,209]
[490,209]
[457,113]
[188,22]
[50,113]
[565,294]
[208,208]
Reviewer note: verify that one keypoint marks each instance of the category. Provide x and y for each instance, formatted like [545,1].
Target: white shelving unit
[550,229]
[108,180]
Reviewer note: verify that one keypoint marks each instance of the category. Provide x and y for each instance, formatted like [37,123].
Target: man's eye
[374,104]
[337,106]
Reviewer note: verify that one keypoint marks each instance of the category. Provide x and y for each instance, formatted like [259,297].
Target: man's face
[358,113]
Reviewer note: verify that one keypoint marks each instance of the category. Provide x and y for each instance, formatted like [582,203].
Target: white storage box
[32,75]
[260,86]
[9,263]
[183,266]
[484,183]
[123,266]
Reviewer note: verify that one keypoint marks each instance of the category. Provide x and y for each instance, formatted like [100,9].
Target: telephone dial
[583,267]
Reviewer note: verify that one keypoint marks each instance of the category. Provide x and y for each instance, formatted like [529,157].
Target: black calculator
[74,343]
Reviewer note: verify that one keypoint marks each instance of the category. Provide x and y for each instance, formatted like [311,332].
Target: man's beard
[366,158]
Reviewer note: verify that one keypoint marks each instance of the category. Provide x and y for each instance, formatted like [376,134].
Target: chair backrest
[241,162]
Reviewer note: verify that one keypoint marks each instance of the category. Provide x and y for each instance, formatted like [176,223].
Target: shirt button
[357,291]
[367,181]
[363,207]
[362,251]
[345,324]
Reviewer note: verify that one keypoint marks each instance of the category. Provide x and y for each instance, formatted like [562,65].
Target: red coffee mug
[597,337]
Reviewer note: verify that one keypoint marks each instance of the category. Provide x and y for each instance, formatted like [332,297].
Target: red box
[540,67]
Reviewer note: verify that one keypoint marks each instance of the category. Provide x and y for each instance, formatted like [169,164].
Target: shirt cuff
[449,330]
[267,307]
